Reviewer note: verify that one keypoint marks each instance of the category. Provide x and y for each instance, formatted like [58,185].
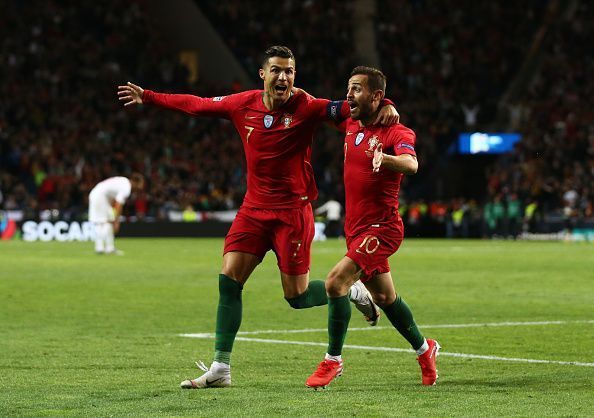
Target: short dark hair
[277,51]
[376,80]
[137,179]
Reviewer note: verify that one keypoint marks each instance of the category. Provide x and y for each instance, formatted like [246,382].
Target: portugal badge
[287,119]
[372,142]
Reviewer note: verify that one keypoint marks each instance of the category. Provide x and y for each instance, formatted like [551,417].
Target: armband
[333,110]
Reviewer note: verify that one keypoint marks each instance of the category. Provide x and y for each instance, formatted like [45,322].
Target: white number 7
[250,129]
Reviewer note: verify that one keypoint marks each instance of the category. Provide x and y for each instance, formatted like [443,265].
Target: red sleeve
[341,126]
[404,141]
[192,105]
[325,110]
[336,110]
[386,102]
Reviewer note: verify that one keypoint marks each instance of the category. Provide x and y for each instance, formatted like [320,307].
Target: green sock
[339,315]
[314,295]
[228,317]
[401,317]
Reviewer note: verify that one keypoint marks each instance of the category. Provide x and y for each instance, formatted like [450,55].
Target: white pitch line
[400,350]
[487,324]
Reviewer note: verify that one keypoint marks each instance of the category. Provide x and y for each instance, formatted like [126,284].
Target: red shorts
[372,247]
[287,232]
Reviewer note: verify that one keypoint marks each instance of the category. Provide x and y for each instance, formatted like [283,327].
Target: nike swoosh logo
[251,117]
[212,382]
[349,133]
[433,352]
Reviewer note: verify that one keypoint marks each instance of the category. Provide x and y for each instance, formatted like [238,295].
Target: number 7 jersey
[277,144]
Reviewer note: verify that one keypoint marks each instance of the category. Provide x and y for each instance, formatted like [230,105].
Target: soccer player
[276,126]
[106,201]
[375,159]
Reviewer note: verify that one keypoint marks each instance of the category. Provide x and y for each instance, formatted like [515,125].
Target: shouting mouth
[280,88]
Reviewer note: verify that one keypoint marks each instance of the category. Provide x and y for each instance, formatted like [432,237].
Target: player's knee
[382,299]
[337,283]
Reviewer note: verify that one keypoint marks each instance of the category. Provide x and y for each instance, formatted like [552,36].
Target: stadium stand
[553,166]
[448,65]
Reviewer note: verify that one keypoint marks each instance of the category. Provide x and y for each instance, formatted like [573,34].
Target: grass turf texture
[96,335]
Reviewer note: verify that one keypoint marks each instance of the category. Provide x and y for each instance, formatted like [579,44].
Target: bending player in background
[106,201]
[375,160]
[276,126]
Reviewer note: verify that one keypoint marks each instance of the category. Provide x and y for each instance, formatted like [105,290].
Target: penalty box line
[406,350]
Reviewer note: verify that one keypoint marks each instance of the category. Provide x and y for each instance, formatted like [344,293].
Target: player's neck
[272,104]
[368,121]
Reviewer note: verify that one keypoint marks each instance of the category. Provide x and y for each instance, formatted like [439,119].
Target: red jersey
[277,144]
[372,198]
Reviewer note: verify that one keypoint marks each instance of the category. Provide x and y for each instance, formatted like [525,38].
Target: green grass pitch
[82,334]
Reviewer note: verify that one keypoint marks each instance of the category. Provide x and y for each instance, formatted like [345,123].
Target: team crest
[268,119]
[359,138]
[372,142]
[287,119]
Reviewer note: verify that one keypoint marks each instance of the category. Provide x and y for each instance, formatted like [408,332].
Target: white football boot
[363,301]
[218,376]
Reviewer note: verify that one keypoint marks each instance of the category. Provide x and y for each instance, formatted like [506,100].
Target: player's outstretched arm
[221,106]
[130,94]
[404,163]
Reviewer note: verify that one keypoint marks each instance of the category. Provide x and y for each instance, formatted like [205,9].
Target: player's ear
[378,95]
[261,73]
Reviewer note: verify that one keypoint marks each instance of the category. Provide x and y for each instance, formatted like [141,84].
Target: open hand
[388,115]
[130,94]
[378,157]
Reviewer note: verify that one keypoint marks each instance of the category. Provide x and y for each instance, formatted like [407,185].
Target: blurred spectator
[333,210]
[457,220]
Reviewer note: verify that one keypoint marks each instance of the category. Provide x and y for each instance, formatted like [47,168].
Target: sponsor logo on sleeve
[218,98]
[405,145]
[268,120]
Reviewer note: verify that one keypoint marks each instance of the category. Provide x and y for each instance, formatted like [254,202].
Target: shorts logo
[218,98]
[287,119]
[296,244]
[370,245]
[359,138]
[268,119]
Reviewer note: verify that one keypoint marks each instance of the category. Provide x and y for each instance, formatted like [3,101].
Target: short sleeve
[404,141]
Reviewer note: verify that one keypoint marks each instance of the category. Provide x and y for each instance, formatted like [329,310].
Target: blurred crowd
[62,129]
[553,166]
